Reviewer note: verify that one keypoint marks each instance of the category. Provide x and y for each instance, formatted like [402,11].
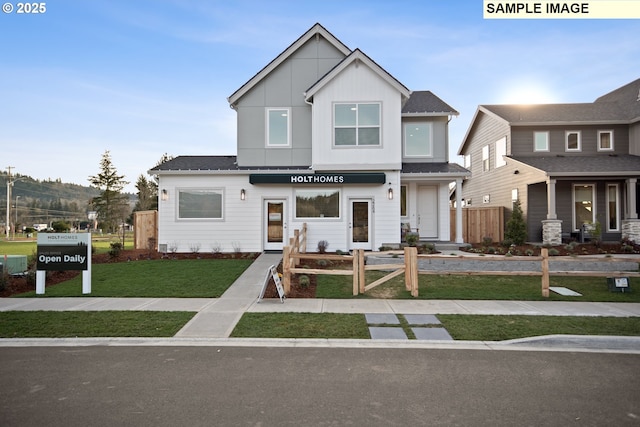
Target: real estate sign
[62,252]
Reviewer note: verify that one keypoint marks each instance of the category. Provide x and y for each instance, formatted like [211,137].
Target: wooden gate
[145,230]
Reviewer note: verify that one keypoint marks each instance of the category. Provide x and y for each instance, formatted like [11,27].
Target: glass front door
[360,224]
[274,224]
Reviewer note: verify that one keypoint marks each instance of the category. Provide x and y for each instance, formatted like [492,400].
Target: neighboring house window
[613,208]
[605,140]
[583,205]
[572,140]
[278,127]
[501,151]
[467,161]
[485,158]
[317,204]
[200,203]
[357,124]
[418,140]
[541,141]
[403,200]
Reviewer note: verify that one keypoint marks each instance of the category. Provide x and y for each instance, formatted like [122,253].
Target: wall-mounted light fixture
[165,195]
[390,193]
[243,194]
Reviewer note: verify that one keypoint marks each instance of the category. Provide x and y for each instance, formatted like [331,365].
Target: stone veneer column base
[631,229]
[552,232]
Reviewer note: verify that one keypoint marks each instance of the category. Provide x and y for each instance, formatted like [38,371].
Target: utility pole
[8,200]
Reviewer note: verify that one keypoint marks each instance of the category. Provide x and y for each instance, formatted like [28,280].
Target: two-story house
[567,164]
[326,137]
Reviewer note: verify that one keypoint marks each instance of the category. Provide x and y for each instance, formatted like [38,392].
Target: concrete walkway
[217,317]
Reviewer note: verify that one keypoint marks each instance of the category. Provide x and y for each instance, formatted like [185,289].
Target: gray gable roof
[628,96]
[613,164]
[212,164]
[424,102]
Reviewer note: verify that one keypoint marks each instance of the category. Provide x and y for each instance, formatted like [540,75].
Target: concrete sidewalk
[217,317]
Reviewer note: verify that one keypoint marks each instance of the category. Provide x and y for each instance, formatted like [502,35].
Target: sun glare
[527,93]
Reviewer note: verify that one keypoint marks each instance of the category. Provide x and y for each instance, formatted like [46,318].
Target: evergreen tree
[516,231]
[147,194]
[111,205]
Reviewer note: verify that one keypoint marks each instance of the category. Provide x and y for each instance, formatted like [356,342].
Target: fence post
[361,276]
[303,242]
[411,270]
[286,266]
[296,246]
[545,272]
[356,272]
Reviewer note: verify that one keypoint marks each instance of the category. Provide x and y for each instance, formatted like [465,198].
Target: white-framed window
[200,203]
[541,141]
[317,203]
[584,205]
[605,140]
[357,124]
[485,158]
[467,161]
[418,140]
[278,127]
[613,208]
[572,140]
[501,151]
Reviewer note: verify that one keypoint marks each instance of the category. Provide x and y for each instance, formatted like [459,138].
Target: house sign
[318,178]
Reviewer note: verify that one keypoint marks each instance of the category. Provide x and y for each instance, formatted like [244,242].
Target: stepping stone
[382,319]
[431,334]
[422,319]
[564,291]
[382,333]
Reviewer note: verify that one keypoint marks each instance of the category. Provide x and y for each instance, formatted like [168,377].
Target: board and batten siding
[357,84]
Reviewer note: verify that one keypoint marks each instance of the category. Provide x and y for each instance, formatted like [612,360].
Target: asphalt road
[206,386]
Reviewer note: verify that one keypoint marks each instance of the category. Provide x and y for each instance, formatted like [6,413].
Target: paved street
[266,386]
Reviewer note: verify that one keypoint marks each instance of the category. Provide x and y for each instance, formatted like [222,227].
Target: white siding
[357,83]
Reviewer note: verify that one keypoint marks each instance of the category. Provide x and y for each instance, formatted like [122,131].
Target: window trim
[404,200]
[313,218]
[541,150]
[610,132]
[218,190]
[486,155]
[617,201]
[429,126]
[566,141]
[357,126]
[268,143]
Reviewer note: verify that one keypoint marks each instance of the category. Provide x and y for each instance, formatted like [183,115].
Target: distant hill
[46,201]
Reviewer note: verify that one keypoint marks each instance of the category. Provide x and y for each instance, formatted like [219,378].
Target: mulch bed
[562,250]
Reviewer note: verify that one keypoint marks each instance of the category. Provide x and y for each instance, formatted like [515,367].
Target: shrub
[322,263]
[412,239]
[516,229]
[491,250]
[115,249]
[322,246]
[554,252]
[529,252]
[304,281]
[486,241]
[194,247]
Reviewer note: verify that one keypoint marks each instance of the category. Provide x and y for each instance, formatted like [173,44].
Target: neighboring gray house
[325,137]
[568,164]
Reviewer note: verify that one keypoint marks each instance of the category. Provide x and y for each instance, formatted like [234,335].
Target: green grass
[460,327]
[480,288]
[204,278]
[498,328]
[301,325]
[66,324]
[101,244]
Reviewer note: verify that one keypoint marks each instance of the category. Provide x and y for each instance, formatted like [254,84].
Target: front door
[275,224]
[428,211]
[360,224]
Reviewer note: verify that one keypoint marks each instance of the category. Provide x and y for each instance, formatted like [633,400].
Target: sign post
[62,252]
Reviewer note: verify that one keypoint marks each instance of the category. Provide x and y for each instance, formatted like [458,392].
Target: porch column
[631,224]
[551,199]
[552,227]
[459,236]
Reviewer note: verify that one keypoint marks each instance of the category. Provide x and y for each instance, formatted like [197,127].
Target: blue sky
[141,78]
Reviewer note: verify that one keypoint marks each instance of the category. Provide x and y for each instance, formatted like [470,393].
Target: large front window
[317,204]
[583,205]
[418,140]
[356,124]
[200,204]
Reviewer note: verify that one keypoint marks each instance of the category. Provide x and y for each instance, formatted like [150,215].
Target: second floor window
[541,141]
[357,124]
[418,140]
[605,140]
[572,140]
[485,158]
[278,127]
